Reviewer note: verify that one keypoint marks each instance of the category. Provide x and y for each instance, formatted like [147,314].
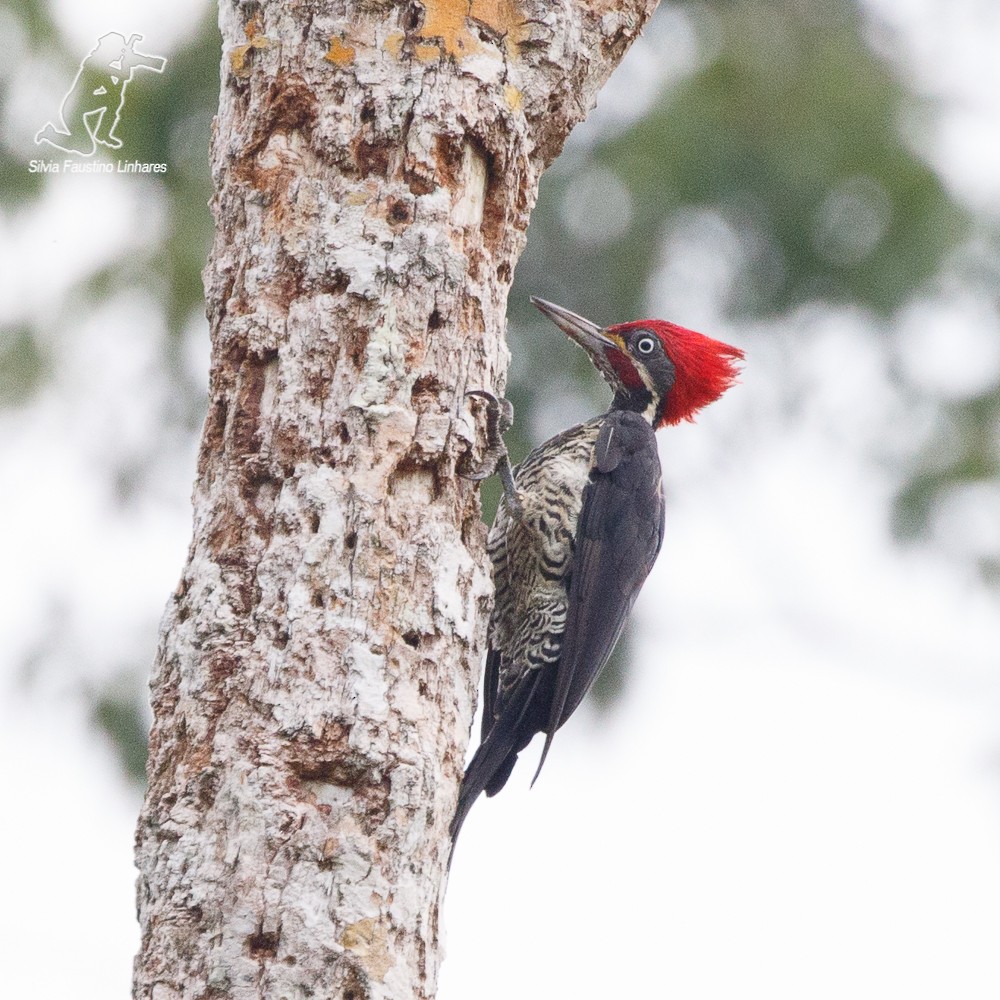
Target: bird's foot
[499,420]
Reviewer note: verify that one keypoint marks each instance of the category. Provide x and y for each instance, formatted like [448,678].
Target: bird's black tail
[493,762]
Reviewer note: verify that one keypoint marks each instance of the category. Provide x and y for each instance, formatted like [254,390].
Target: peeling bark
[374,164]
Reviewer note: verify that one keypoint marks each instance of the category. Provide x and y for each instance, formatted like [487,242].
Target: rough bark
[374,165]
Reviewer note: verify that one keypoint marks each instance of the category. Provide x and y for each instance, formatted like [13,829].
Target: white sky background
[800,796]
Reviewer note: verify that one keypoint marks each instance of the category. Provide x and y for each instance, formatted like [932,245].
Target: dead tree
[375,163]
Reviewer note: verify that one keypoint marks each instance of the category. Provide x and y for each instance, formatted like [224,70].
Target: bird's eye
[645,345]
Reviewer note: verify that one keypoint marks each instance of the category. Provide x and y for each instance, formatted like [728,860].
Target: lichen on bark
[375,164]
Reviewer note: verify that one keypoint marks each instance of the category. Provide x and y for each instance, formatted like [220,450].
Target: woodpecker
[577,530]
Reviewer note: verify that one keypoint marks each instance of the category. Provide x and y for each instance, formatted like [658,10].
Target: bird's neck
[640,401]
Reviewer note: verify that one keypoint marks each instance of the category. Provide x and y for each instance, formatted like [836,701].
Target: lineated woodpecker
[577,531]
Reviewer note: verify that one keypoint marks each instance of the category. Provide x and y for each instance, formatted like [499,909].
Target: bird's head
[659,369]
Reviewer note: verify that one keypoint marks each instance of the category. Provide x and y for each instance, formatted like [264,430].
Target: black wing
[491,691]
[618,536]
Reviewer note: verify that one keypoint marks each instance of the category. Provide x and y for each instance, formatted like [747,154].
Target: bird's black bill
[588,335]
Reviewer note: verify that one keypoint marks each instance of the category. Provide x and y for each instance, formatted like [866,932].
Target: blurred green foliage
[788,127]
[117,710]
[22,365]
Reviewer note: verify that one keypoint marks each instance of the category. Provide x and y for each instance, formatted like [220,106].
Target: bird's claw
[499,416]
[479,473]
[499,419]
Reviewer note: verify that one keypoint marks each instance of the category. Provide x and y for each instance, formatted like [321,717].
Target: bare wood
[375,164]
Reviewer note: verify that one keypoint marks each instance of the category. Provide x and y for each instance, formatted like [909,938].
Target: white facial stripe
[650,412]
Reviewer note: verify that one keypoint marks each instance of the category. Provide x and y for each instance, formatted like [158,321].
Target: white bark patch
[385,358]
[361,262]
[472,187]
[271,375]
[452,598]
[367,679]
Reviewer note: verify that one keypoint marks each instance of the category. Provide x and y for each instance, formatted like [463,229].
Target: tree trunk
[374,164]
